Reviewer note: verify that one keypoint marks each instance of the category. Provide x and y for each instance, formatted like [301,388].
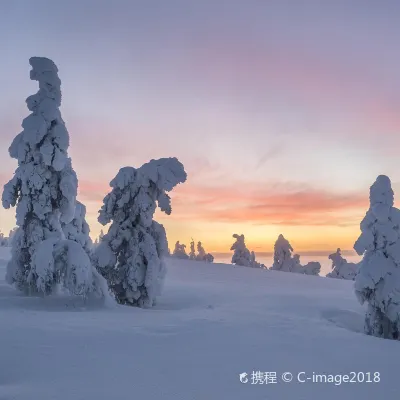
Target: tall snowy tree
[44,190]
[282,255]
[131,254]
[341,269]
[192,254]
[202,255]
[378,280]
[180,251]
[242,255]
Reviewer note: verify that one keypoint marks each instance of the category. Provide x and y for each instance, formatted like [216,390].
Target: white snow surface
[213,322]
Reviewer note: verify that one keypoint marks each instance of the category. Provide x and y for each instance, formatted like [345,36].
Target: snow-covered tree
[282,255]
[11,235]
[101,235]
[378,280]
[284,261]
[3,240]
[202,255]
[180,251]
[44,189]
[131,254]
[242,255]
[78,229]
[341,269]
[192,254]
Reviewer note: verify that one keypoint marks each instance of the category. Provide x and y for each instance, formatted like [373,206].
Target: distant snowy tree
[11,235]
[44,190]
[254,263]
[101,235]
[242,255]
[282,255]
[341,269]
[284,261]
[202,255]
[192,254]
[131,255]
[378,278]
[3,240]
[180,251]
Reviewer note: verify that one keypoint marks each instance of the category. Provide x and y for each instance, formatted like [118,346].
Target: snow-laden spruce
[378,280]
[242,255]
[202,255]
[131,254]
[284,261]
[180,251]
[44,190]
[341,269]
[192,254]
[282,255]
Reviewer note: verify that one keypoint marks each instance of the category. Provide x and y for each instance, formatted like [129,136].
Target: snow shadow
[346,319]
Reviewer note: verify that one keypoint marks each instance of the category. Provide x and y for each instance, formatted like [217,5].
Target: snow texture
[378,280]
[44,189]
[242,255]
[220,321]
[341,269]
[78,229]
[131,255]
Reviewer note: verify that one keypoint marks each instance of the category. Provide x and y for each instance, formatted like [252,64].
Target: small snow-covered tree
[44,189]
[282,255]
[202,255]
[242,255]
[101,235]
[3,240]
[254,263]
[131,254]
[180,251]
[341,269]
[192,254]
[378,280]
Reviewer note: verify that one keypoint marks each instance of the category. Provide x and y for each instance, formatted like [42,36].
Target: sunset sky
[282,112]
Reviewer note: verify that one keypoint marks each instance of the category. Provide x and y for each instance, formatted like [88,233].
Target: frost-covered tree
[101,235]
[3,240]
[378,280]
[192,254]
[44,189]
[341,269]
[131,254]
[242,255]
[282,255]
[78,229]
[202,255]
[284,261]
[180,251]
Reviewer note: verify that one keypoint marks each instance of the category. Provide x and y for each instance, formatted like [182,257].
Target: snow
[44,189]
[378,280]
[137,242]
[341,268]
[213,322]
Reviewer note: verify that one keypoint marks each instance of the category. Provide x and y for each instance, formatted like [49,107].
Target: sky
[282,112]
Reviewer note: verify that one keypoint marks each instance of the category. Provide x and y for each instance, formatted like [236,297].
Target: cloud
[278,203]
[281,204]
